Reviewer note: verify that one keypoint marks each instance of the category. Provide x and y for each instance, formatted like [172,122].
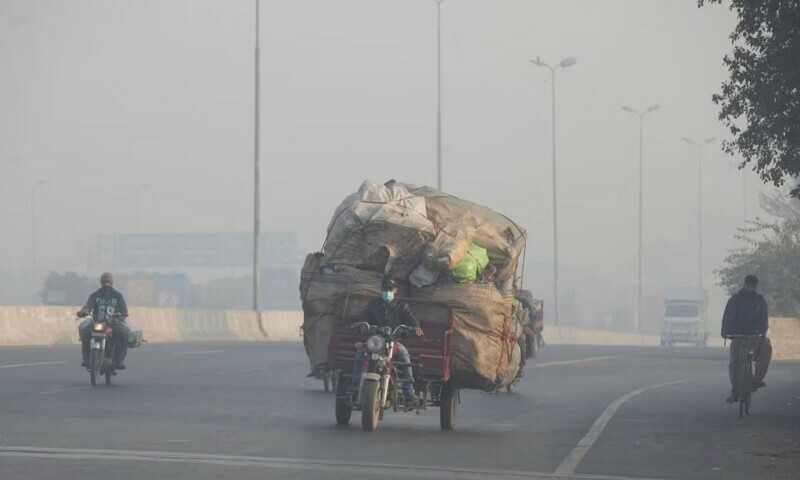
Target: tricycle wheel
[326,381]
[447,410]
[370,405]
[510,387]
[344,405]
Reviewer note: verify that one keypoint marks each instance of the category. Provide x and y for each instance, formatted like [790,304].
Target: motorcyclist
[103,304]
[747,314]
[389,311]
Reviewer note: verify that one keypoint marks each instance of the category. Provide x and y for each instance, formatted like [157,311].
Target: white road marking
[48,392]
[575,456]
[32,364]
[328,466]
[580,360]
[199,352]
[254,369]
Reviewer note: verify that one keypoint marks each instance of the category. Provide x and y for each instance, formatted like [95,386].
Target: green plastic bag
[473,264]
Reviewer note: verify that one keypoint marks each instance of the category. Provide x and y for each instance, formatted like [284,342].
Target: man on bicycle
[746,314]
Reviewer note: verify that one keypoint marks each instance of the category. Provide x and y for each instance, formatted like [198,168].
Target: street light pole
[257,171]
[34,260]
[439,93]
[699,146]
[641,115]
[565,63]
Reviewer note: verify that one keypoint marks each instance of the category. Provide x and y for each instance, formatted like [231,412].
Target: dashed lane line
[198,352]
[580,360]
[254,369]
[48,392]
[33,364]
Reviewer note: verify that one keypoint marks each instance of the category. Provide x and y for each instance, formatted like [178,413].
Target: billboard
[185,250]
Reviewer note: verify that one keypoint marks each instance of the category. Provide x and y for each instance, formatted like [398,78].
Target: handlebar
[365,327]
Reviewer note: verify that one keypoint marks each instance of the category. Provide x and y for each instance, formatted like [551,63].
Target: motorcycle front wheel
[370,405]
[94,365]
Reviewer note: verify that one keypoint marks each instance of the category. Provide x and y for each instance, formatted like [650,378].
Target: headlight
[375,344]
[98,327]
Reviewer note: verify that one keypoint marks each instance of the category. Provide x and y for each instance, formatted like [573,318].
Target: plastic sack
[135,335]
[473,264]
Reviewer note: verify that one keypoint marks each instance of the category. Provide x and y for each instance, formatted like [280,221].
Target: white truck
[685,318]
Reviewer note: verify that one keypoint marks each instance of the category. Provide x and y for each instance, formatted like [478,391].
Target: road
[245,411]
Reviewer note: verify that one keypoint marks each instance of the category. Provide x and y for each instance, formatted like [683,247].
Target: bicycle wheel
[742,390]
[749,388]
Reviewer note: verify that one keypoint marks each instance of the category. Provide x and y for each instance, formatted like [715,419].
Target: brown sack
[483,339]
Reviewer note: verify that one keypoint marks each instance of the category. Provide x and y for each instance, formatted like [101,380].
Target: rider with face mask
[389,311]
[102,304]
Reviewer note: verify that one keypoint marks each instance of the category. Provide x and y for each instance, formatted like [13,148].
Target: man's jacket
[103,304]
[389,314]
[745,314]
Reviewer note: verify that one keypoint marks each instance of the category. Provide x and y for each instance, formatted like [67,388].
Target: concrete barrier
[49,325]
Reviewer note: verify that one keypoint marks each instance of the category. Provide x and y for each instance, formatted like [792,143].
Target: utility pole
[257,171]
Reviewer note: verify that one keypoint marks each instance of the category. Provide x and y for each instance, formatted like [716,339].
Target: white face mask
[387,296]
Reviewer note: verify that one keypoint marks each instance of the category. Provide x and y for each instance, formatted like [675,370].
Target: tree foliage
[771,251]
[760,103]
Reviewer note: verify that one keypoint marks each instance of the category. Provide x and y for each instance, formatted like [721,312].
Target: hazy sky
[100,96]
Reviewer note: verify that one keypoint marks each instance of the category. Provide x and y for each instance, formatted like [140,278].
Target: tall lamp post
[34,252]
[256,170]
[699,146]
[641,115]
[565,63]
[439,93]
[139,190]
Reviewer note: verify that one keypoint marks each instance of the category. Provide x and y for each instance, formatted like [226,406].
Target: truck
[685,318]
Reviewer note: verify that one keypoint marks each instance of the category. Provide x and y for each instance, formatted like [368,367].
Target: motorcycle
[379,388]
[102,348]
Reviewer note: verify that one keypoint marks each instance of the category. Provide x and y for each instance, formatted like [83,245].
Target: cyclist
[746,314]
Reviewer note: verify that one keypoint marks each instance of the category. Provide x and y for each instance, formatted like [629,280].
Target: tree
[771,251]
[760,103]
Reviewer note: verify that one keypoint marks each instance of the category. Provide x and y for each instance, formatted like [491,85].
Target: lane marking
[48,392]
[32,364]
[328,466]
[575,456]
[580,360]
[254,369]
[198,352]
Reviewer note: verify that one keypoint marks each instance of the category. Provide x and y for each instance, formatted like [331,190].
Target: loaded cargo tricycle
[377,387]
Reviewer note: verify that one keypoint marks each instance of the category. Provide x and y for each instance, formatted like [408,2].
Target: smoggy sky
[99,97]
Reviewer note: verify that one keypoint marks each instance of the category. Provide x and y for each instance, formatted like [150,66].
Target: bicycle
[744,370]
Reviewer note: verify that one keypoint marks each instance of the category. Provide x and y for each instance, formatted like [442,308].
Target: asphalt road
[246,411]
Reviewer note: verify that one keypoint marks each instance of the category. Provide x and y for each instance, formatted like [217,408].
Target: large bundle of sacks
[439,248]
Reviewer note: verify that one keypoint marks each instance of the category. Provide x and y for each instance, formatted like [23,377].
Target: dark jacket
[745,314]
[103,304]
[392,314]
